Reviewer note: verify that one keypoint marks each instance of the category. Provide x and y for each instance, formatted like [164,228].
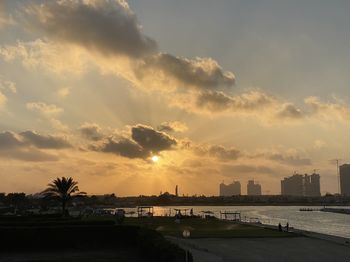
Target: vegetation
[204,228]
[147,243]
[64,189]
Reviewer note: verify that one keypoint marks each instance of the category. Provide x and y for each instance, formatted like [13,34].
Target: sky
[217,90]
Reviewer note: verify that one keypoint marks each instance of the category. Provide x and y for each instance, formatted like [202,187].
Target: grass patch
[204,228]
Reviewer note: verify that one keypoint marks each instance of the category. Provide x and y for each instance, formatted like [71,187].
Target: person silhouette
[287,227]
[279,227]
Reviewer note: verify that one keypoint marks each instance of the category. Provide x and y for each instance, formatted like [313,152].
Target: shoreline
[311,234]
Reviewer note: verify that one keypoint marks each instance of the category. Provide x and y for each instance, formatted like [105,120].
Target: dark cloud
[107,26]
[44,141]
[217,151]
[9,140]
[202,73]
[224,153]
[124,147]
[91,131]
[151,139]
[214,101]
[25,146]
[111,28]
[218,101]
[142,143]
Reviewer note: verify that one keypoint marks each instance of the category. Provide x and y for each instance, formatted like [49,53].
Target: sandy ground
[264,249]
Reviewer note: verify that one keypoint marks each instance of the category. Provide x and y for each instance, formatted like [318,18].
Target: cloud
[250,101]
[26,146]
[224,153]
[91,131]
[142,142]
[50,112]
[218,102]
[45,109]
[291,160]
[217,151]
[76,31]
[109,27]
[151,139]
[7,85]
[48,56]
[10,140]
[124,147]
[31,155]
[288,110]
[289,157]
[45,142]
[174,126]
[328,110]
[200,73]
[266,108]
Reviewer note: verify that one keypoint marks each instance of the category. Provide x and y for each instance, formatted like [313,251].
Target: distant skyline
[135,97]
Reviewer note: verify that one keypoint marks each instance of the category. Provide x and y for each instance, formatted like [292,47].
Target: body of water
[316,221]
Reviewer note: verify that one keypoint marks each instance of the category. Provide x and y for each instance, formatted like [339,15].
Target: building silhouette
[301,185]
[312,185]
[344,171]
[232,189]
[253,189]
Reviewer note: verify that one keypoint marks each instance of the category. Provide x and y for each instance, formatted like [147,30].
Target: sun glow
[155,159]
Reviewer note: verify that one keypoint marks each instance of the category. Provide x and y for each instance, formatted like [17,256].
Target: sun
[155,159]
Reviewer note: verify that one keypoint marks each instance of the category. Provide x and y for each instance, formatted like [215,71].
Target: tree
[64,189]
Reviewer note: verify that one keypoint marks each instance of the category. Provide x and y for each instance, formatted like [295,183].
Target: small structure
[208,214]
[176,191]
[230,215]
[180,210]
[145,211]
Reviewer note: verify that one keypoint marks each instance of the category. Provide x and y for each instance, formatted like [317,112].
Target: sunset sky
[218,90]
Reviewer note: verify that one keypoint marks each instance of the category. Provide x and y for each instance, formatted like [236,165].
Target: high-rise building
[230,190]
[292,186]
[312,185]
[253,189]
[345,179]
[299,185]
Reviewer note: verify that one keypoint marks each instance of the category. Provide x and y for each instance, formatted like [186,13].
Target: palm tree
[63,189]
